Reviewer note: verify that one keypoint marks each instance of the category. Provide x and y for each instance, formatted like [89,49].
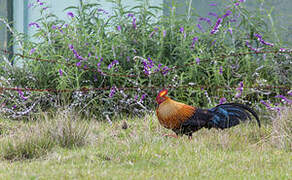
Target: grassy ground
[140,151]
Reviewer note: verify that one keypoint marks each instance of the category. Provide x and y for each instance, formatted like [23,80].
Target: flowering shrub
[132,53]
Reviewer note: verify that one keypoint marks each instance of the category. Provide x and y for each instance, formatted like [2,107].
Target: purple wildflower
[230,31]
[153,32]
[228,13]
[206,20]
[142,97]
[222,100]
[260,39]
[290,93]
[146,71]
[239,89]
[32,51]
[269,106]
[119,28]
[158,68]
[213,14]
[164,33]
[217,25]
[78,64]
[102,10]
[165,70]
[70,14]
[212,4]
[214,42]
[148,66]
[258,36]
[220,70]
[34,24]
[21,94]
[181,29]
[130,15]
[150,63]
[112,64]
[134,23]
[80,57]
[266,104]
[113,91]
[195,39]
[98,66]
[250,47]
[198,60]
[200,27]
[60,72]
[282,49]
[54,27]
[285,99]
[136,98]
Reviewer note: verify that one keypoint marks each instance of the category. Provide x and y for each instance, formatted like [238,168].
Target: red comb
[163,92]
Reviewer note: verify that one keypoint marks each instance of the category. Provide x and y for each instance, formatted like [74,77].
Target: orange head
[161,96]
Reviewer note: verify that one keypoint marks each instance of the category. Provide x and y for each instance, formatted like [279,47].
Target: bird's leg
[170,135]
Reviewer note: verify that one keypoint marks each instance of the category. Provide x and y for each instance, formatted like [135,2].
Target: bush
[108,64]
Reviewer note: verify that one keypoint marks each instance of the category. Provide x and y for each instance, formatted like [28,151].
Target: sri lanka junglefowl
[185,119]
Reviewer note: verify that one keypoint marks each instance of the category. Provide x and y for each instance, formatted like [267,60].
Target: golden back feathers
[171,113]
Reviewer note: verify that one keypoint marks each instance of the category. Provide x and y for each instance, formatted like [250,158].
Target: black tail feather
[248,109]
[230,114]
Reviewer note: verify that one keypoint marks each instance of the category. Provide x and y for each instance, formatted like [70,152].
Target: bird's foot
[170,135]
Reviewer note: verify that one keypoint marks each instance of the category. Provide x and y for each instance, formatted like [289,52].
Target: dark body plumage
[220,117]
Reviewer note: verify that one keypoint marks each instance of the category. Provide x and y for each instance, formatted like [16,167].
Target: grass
[140,152]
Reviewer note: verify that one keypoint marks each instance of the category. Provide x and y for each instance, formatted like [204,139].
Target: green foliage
[158,51]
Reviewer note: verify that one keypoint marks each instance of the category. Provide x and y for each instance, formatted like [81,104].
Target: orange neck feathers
[171,113]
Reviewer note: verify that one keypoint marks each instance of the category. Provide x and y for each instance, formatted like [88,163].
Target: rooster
[185,120]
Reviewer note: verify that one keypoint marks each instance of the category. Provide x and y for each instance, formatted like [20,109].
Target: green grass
[140,152]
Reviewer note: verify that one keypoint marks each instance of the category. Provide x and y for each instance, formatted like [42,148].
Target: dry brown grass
[281,135]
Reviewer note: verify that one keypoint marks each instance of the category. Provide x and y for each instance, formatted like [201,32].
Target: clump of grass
[38,138]
[68,131]
[282,129]
[27,143]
